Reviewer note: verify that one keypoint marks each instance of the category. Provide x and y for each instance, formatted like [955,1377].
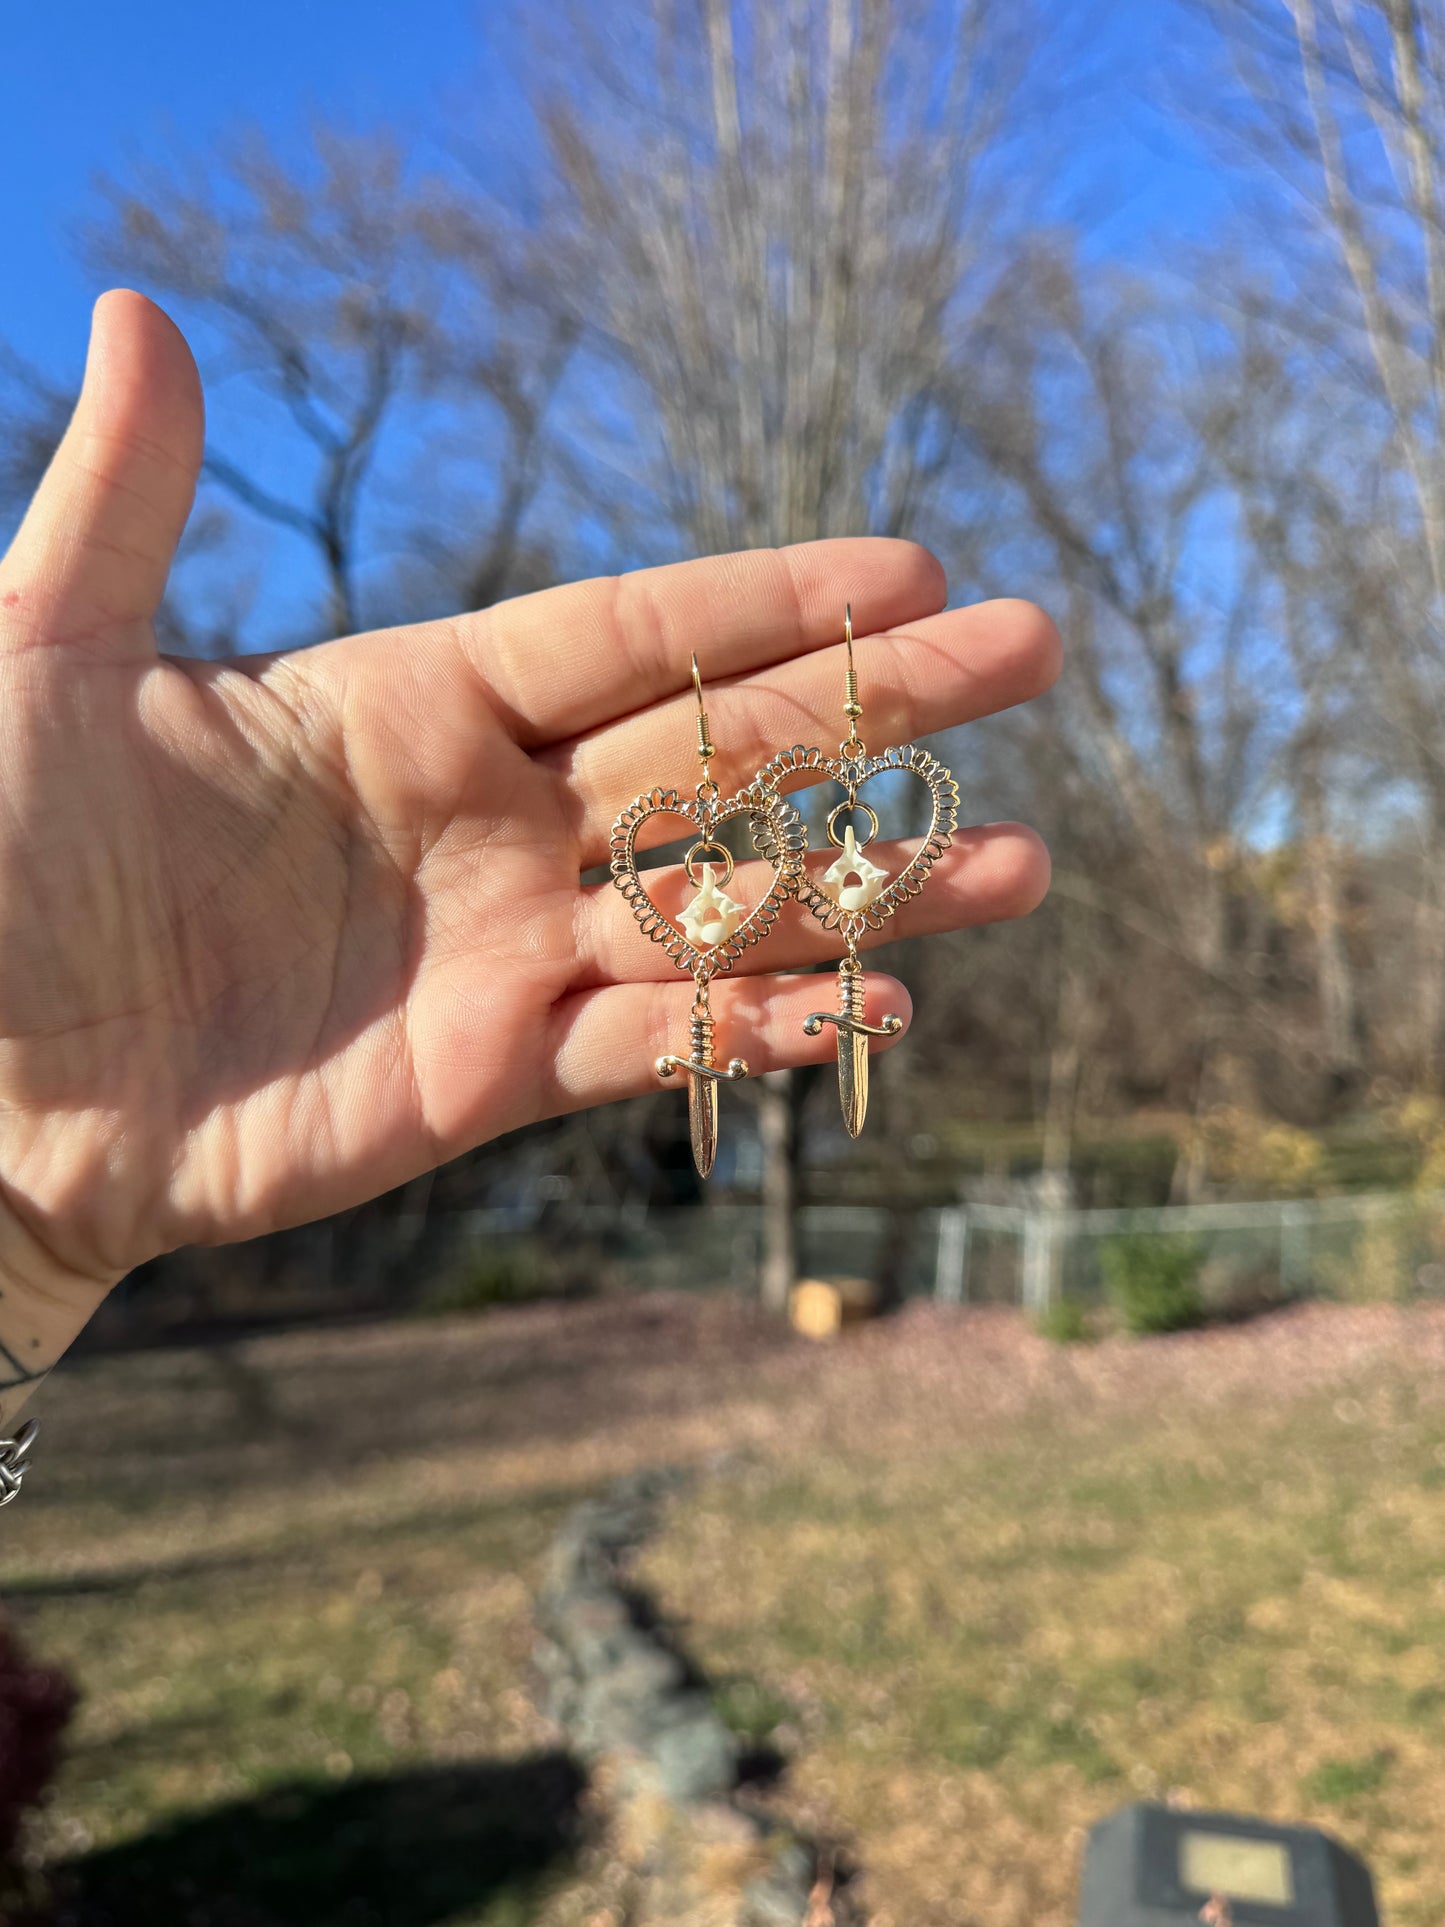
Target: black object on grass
[1155,1866]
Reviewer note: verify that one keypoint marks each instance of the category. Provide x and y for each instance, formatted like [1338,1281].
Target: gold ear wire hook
[852,708]
[705,748]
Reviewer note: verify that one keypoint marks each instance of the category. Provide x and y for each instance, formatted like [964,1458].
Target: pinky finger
[607,1042]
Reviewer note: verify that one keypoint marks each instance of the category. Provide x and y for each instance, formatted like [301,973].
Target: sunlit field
[974,1589]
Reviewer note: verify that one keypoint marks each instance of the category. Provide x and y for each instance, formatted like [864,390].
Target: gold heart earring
[711,932]
[854,894]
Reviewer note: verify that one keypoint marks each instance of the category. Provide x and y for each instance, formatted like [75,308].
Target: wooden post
[950,1275]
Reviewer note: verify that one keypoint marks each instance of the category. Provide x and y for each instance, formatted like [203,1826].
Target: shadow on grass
[408,1850]
[24,1590]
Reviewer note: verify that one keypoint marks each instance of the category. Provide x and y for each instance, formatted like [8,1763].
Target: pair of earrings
[852,896]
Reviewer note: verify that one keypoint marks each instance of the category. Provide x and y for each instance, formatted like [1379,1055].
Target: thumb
[91,559]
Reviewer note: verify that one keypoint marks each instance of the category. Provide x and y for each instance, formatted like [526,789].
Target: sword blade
[853,1079]
[702,1109]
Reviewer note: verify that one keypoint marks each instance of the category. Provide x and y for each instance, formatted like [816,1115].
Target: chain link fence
[1382,1246]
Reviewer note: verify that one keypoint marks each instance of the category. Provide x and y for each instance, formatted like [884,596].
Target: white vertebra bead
[711,917]
[868,879]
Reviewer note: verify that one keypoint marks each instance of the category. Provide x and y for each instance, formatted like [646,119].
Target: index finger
[567,660]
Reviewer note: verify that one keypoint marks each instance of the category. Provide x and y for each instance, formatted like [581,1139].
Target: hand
[281,932]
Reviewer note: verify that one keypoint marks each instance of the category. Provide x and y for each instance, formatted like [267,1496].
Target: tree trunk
[777,1136]
[1064,1055]
[1334,972]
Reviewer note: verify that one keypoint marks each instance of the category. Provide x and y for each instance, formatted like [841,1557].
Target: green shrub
[497,1274]
[1152,1283]
[1064,1322]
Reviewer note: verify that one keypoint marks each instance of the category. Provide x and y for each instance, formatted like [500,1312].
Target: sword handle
[849,1015]
[700,1063]
[737,1068]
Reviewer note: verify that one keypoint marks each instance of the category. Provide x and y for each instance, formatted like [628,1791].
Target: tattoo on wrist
[40,1313]
[13,1369]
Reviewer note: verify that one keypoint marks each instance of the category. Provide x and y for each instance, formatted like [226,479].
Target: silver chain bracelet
[14,1460]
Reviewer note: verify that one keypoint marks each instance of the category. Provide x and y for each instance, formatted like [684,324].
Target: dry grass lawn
[976,1589]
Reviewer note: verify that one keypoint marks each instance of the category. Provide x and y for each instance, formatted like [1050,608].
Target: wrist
[44,1305]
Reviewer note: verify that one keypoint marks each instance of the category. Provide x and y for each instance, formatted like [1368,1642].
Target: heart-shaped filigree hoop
[778,836]
[852,773]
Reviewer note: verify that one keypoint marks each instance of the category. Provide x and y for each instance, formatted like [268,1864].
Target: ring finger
[987,875]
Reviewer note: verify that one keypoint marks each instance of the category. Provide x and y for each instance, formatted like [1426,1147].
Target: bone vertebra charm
[853,863]
[703,1080]
[853,1035]
[711,917]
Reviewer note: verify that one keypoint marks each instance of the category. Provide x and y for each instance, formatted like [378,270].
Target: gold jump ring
[722,850]
[852,803]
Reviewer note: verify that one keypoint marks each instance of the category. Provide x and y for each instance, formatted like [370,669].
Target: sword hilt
[700,1063]
[849,1015]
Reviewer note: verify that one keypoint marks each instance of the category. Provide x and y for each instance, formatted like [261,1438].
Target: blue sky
[92,86]
[89,86]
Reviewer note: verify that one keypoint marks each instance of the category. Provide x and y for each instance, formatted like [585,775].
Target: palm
[278,933]
[248,925]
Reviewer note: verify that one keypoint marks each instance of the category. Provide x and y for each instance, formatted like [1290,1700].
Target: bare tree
[772,224]
[332,293]
[1344,100]
[1275,438]
[1154,766]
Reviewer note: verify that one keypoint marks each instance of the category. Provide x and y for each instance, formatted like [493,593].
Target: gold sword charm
[703,1080]
[853,1035]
